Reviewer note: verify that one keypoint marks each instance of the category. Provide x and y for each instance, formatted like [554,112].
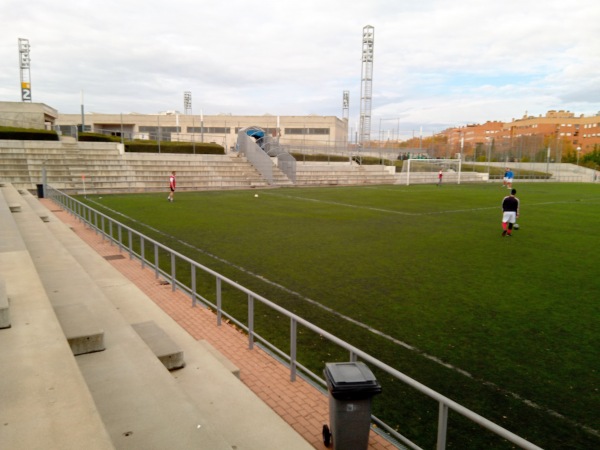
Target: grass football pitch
[508,327]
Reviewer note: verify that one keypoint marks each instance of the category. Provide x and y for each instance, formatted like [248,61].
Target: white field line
[354,321]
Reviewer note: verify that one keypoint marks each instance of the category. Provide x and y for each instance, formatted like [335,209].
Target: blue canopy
[255,133]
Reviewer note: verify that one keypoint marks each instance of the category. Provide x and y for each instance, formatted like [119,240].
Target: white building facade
[312,130]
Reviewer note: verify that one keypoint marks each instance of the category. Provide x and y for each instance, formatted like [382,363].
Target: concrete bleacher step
[78,323]
[161,344]
[123,378]
[4,306]
[80,328]
[46,403]
[14,207]
[138,401]
[221,358]
[223,404]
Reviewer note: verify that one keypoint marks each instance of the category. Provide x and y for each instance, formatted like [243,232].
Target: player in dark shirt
[510,212]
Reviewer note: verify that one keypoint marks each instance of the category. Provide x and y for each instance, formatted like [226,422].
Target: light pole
[548,164]
[578,152]
[489,156]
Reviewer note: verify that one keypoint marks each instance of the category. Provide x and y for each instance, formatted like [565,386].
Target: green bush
[592,159]
[97,137]
[27,134]
[319,158]
[186,148]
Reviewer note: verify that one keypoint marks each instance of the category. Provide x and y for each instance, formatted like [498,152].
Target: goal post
[426,171]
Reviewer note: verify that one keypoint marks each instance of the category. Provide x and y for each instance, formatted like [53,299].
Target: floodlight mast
[346,113]
[25,66]
[366,84]
[187,103]
[346,105]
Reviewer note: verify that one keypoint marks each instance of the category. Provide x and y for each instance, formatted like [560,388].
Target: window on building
[307,131]
[213,130]
[146,129]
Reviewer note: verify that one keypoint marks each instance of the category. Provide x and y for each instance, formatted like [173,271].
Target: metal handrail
[92,217]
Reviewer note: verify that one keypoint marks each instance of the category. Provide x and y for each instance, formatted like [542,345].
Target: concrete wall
[27,115]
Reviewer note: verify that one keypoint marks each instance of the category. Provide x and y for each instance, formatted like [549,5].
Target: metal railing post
[293,348]
[219,302]
[442,427]
[193,268]
[130,237]
[156,270]
[250,322]
[173,270]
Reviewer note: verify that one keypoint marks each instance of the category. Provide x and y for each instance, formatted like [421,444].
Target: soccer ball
[516,226]
[256,195]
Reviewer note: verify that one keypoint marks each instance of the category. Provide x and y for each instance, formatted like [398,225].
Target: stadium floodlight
[187,103]
[366,84]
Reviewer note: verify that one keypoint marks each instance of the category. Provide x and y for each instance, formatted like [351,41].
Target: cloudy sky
[436,63]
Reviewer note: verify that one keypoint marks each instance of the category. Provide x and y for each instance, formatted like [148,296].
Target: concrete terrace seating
[124,394]
[41,387]
[80,328]
[194,172]
[4,307]
[331,174]
[104,168]
[165,349]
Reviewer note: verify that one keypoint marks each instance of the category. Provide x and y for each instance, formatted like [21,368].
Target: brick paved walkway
[299,403]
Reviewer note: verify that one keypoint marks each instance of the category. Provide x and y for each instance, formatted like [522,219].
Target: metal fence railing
[258,158]
[287,164]
[124,237]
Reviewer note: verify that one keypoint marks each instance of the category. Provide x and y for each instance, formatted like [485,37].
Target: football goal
[423,171]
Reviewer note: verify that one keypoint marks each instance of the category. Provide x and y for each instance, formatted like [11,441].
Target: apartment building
[572,133]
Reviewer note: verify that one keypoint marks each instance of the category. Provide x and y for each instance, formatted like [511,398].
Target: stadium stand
[123,396]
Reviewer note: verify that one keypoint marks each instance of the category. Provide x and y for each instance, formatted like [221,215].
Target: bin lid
[351,380]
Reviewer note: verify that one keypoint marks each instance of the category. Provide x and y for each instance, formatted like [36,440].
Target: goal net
[427,171]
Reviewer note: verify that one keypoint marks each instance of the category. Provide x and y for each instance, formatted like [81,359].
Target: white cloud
[436,64]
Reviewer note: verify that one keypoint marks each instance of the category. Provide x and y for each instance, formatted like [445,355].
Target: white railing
[123,236]
[256,156]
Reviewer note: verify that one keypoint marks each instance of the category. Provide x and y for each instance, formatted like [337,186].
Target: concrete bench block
[161,344]
[14,207]
[80,329]
[4,307]
[222,359]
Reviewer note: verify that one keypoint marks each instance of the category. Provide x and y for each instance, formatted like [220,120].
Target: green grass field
[508,327]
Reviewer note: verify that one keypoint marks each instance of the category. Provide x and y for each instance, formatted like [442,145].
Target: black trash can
[351,387]
[40,190]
